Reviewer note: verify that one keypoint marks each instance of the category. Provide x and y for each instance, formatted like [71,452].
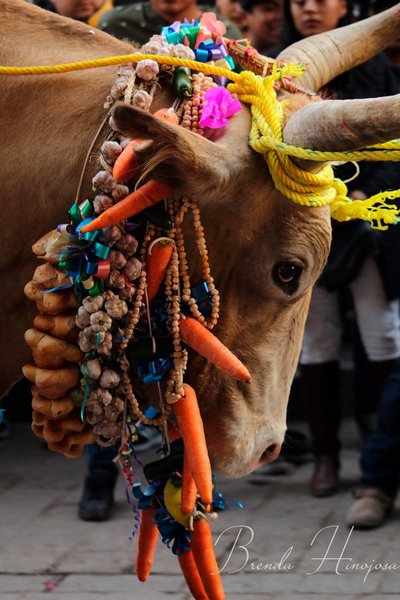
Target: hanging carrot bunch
[197,561]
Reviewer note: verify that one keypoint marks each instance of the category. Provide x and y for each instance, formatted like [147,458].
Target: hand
[357,195]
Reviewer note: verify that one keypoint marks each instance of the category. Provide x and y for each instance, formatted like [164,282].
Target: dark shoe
[98,496]
[369,509]
[325,479]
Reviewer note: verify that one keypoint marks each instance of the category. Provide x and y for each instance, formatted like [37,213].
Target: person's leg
[380,457]
[319,385]
[98,492]
[100,458]
[379,325]
[380,461]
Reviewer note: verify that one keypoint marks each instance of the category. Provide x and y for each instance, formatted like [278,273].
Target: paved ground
[46,551]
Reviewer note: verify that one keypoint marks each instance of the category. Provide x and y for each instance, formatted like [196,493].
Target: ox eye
[287,274]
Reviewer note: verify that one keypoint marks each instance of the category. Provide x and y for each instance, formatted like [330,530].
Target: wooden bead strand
[202,248]
[201,244]
[172,290]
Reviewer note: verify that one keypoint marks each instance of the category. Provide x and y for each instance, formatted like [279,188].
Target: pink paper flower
[218,106]
[210,21]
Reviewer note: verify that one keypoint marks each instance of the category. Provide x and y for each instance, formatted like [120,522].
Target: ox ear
[174,155]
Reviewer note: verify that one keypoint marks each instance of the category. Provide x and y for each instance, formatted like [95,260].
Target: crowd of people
[365,298]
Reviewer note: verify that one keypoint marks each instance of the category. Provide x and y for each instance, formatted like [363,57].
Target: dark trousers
[380,457]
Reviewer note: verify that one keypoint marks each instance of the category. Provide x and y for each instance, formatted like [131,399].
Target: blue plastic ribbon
[151,412]
[2,411]
[220,503]
[201,293]
[147,496]
[154,370]
[173,534]
[83,256]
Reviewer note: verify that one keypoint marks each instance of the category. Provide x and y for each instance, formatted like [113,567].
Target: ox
[266,252]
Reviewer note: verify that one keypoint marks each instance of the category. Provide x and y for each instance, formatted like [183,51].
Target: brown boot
[325,479]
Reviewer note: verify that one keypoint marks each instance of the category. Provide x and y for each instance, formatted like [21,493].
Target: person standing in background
[375,290]
[233,11]
[264,20]
[138,22]
[88,11]
[392,52]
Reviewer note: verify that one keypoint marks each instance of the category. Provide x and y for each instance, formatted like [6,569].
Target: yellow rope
[119,60]
[300,186]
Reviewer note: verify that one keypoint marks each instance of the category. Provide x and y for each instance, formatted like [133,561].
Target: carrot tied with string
[126,164]
[195,335]
[167,114]
[191,575]
[190,425]
[146,196]
[204,557]
[158,257]
[147,542]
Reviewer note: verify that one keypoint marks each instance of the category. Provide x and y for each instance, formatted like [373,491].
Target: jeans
[101,458]
[380,456]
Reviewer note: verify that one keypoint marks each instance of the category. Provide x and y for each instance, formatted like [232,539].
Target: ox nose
[270,453]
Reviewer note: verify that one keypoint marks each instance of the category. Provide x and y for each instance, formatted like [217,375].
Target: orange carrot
[189,489]
[167,114]
[204,557]
[126,164]
[147,541]
[192,576]
[190,425]
[148,194]
[195,335]
[158,259]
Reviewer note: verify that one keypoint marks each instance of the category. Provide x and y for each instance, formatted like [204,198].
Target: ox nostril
[270,453]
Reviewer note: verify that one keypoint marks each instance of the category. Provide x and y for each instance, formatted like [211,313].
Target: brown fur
[47,125]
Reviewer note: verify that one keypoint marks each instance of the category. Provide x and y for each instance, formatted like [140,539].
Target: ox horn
[336,125]
[329,54]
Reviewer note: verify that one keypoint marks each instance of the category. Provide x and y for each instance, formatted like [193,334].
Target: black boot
[325,478]
[98,496]
[320,387]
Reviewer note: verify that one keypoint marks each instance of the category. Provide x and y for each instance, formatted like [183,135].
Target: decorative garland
[121,262]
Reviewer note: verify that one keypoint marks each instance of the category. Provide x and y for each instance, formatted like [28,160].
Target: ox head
[266,253]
